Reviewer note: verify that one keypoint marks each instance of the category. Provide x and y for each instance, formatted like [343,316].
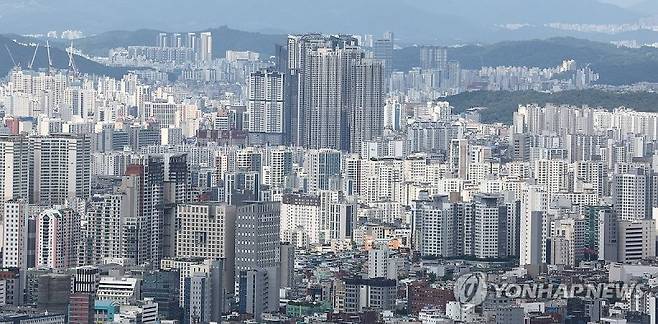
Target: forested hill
[501,105]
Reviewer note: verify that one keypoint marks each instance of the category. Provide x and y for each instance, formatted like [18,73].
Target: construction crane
[12,57]
[72,66]
[50,61]
[33,57]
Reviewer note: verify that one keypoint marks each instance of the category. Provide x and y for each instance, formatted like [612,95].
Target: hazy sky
[411,19]
[623,3]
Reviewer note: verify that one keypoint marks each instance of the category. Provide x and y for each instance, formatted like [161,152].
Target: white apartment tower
[280,166]
[490,227]
[205,47]
[61,168]
[265,102]
[433,231]
[533,230]
[15,167]
[300,220]
[207,230]
[57,238]
[552,175]
[631,195]
[15,229]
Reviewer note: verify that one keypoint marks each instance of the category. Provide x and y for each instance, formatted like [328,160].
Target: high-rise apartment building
[321,82]
[204,298]
[327,86]
[366,117]
[257,247]
[300,220]
[490,228]
[280,166]
[15,215]
[114,223]
[594,173]
[434,230]
[205,47]
[265,102]
[552,174]
[207,230]
[176,40]
[163,40]
[192,41]
[631,195]
[15,171]
[533,226]
[383,50]
[254,294]
[433,57]
[147,182]
[324,168]
[177,179]
[57,238]
[61,168]
[458,158]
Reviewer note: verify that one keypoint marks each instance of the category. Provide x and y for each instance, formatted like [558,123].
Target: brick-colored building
[421,294]
[81,308]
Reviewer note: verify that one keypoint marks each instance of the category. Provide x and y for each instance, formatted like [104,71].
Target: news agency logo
[471,288]
[604,290]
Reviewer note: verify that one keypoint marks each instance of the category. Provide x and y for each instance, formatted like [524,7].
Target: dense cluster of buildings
[442,77]
[174,49]
[190,57]
[315,193]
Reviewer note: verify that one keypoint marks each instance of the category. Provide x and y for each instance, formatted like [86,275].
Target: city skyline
[386,168]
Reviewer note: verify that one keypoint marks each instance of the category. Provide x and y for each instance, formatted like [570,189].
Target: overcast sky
[623,3]
[410,19]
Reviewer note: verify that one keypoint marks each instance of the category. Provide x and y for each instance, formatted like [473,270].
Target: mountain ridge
[615,65]
[412,20]
[224,38]
[22,54]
